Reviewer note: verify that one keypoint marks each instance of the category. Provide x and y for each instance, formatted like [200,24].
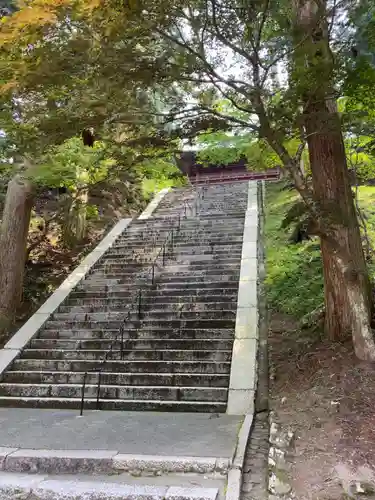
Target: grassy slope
[294,272]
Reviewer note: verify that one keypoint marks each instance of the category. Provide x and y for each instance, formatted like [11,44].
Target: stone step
[126,278]
[171,289]
[189,243]
[150,306]
[122,392]
[211,284]
[15,486]
[149,316]
[225,234]
[178,296]
[119,276]
[184,253]
[170,267]
[188,247]
[211,225]
[193,260]
[132,344]
[155,379]
[107,286]
[116,301]
[203,252]
[169,270]
[154,238]
[140,246]
[143,333]
[200,238]
[215,231]
[147,237]
[130,355]
[121,366]
[114,404]
[145,323]
[185,278]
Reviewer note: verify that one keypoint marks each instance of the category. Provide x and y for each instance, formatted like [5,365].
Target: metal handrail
[138,300]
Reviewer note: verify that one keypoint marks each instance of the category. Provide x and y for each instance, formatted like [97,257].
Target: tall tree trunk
[13,242]
[342,253]
[348,304]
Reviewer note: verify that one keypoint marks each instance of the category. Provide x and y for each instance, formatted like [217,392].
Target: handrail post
[164,254]
[122,342]
[83,393]
[140,303]
[153,273]
[98,390]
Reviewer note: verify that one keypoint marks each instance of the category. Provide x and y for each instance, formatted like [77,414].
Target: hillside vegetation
[294,270]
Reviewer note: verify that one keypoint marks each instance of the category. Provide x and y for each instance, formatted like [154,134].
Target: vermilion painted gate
[234,177]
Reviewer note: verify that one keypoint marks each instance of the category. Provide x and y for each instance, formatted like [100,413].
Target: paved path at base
[138,433]
[118,487]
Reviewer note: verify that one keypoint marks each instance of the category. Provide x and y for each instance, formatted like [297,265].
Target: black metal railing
[163,252]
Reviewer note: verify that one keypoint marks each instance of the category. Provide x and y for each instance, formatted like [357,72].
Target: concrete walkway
[165,434]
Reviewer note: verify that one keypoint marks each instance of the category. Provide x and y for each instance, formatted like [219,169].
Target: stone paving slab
[109,462]
[43,487]
[136,433]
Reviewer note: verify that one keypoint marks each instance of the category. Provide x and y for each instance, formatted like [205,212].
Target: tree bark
[342,252]
[13,242]
[348,305]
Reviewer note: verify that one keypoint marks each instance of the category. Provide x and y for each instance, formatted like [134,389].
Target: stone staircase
[177,341]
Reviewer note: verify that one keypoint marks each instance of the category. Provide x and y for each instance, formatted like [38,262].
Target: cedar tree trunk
[348,304]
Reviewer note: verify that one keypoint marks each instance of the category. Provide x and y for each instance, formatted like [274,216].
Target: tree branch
[233,119]
[225,41]
[208,67]
[262,23]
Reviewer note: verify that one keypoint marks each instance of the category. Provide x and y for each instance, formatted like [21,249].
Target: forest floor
[326,397]
[318,389]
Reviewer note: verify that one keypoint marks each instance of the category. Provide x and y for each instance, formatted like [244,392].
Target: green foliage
[294,279]
[223,148]
[294,272]
[72,165]
[366,199]
[294,213]
[92,212]
[360,154]
[159,174]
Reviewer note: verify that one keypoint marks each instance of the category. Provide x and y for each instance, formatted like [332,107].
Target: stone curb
[152,206]
[243,438]
[41,487]
[234,481]
[244,377]
[243,374]
[281,450]
[27,332]
[234,485]
[104,461]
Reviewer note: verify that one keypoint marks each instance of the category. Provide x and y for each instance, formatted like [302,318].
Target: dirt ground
[327,397]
